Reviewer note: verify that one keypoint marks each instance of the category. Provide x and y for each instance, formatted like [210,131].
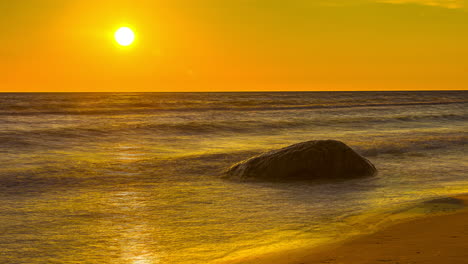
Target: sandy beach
[436,238]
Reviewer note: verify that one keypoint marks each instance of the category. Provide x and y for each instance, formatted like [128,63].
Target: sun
[124,36]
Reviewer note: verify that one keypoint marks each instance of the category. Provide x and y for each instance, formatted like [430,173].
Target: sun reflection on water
[129,153]
[136,236]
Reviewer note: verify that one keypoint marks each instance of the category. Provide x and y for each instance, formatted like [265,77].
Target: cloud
[452,4]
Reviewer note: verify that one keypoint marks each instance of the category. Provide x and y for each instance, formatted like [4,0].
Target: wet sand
[435,238]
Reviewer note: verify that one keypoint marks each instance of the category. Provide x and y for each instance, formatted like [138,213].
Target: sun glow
[124,36]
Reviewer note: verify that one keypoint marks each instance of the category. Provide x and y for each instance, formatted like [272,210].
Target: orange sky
[212,45]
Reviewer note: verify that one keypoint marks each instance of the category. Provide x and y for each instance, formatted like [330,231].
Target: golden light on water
[124,36]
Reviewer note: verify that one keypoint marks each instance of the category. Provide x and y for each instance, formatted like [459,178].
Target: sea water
[135,177]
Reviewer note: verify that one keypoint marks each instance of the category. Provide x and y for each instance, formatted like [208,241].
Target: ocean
[136,177]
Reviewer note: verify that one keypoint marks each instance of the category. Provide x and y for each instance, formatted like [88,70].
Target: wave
[107,129]
[91,173]
[202,107]
[404,145]
[414,145]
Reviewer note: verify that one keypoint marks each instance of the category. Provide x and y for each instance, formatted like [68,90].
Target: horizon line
[245,91]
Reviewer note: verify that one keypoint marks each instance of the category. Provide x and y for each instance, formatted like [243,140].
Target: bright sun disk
[124,36]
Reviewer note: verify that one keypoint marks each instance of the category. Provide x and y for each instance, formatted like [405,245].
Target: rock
[311,160]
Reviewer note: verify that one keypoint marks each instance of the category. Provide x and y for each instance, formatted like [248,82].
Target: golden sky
[234,45]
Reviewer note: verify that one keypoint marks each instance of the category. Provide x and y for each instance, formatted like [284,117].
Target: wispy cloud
[441,3]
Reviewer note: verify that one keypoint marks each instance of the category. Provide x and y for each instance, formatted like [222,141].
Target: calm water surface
[134,177]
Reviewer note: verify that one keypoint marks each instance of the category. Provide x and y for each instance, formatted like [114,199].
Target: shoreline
[433,231]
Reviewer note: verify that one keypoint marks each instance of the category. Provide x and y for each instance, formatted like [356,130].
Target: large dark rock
[311,160]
